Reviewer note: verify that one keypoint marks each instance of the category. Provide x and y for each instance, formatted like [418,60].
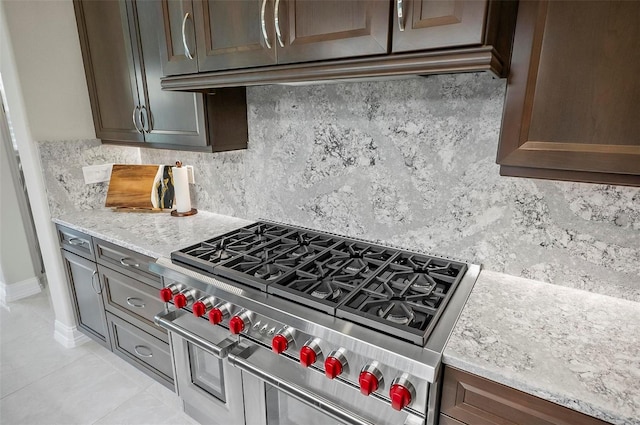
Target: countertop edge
[107,238]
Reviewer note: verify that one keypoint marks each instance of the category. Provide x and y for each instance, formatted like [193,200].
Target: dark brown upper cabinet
[573,95]
[110,70]
[429,24]
[215,35]
[123,66]
[253,42]
[330,29]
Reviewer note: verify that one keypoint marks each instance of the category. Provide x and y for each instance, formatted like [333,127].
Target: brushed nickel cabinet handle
[129,262]
[276,19]
[263,24]
[76,242]
[133,117]
[400,11]
[187,52]
[93,280]
[146,124]
[137,349]
[135,302]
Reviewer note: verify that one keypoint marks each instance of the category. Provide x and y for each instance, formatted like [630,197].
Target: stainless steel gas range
[279,325]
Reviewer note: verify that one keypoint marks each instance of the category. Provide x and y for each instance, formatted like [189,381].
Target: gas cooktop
[395,291]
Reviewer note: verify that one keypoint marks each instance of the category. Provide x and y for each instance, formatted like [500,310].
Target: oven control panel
[371,376]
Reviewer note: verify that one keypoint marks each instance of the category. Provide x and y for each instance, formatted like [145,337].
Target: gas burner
[428,265]
[268,272]
[303,251]
[326,291]
[358,258]
[419,282]
[220,255]
[396,312]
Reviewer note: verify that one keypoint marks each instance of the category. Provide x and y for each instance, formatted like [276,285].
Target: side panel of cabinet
[571,109]
[175,30]
[332,29]
[436,24]
[229,34]
[86,292]
[109,68]
[169,118]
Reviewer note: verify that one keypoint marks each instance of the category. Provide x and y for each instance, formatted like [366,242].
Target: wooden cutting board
[148,187]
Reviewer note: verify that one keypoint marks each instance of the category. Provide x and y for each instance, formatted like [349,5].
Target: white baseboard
[69,336]
[17,291]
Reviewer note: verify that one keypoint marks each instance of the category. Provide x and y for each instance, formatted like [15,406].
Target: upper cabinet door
[310,30]
[177,37]
[234,34]
[110,70]
[573,97]
[434,24]
[169,118]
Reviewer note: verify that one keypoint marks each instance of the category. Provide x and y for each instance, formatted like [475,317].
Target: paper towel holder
[175,213]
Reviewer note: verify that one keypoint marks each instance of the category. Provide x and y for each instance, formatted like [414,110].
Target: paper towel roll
[181,187]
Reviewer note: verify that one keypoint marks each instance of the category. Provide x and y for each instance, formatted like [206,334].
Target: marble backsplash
[62,164]
[409,163]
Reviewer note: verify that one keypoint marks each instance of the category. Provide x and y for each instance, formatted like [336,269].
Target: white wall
[47,55]
[41,67]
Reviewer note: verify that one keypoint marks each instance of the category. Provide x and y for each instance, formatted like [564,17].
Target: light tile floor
[43,383]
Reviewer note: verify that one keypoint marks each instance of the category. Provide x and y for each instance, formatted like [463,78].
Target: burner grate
[209,254]
[406,297]
[324,282]
[397,292]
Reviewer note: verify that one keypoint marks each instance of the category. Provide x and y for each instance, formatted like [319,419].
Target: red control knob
[332,367]
[308,356]
[166,294]
[180,300]
[368,383]
[236,325]
[279,344]
[215,316]
[199,308]
[400,397]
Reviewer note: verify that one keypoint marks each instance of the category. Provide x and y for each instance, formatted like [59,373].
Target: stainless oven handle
[332,409]
[221,350]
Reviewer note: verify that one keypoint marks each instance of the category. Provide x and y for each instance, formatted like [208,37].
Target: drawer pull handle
[135,302]
[138,349]
[76,242]
[129,262]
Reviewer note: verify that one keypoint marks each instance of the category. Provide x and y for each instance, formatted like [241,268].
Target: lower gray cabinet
[115,301]
[86,291]
[150,353]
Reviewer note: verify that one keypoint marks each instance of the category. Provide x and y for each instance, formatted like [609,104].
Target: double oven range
[280,325]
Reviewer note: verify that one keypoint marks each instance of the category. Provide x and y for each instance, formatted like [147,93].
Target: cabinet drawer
[473,400]
[76,242]
[127,262]
[148,353]
[125,295]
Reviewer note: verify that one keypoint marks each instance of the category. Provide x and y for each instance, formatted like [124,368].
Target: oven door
[278,391]
[209,387]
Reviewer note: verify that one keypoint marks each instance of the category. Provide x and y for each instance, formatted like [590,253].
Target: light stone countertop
[572,347]
[152,234]
[575,348]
